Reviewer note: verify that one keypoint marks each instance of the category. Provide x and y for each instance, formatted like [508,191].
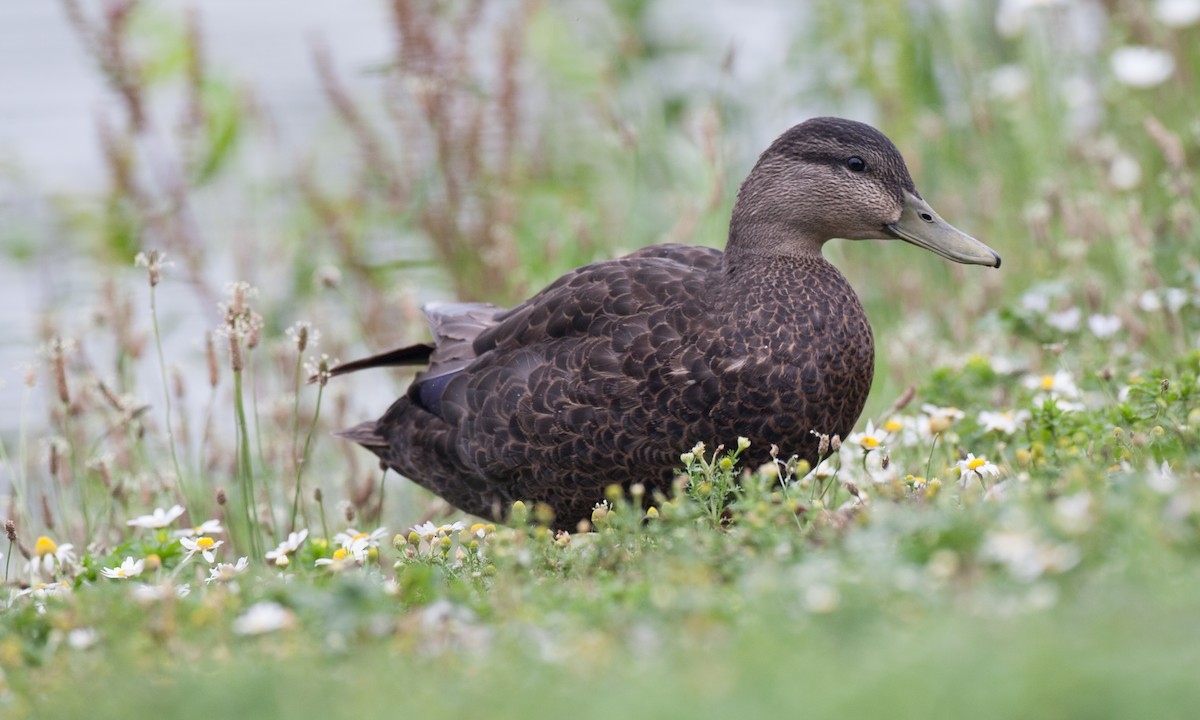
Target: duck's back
[610,373]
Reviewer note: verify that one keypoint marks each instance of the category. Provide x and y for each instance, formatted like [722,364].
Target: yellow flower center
[339,554]
[1047,382]
[121,572]
[359,536]
[977,463]
[893,426]
[477,527]
[205,543]
[45,546]
[869,442]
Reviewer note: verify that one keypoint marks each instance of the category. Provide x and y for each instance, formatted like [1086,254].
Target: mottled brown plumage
[615,369]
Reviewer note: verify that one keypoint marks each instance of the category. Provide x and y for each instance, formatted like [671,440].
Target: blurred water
[51,96]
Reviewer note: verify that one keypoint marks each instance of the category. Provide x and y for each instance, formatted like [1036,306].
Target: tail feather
[365,434]
[411,355]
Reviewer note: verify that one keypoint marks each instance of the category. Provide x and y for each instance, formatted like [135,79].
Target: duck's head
[834,178]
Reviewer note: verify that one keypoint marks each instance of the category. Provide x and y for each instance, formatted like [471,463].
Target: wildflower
[49,557]
[347,538]
[129,568]
[318,370]
[338,560]
[264,617]
[940,419]
[1005,421]
[1065,321]
[1139,66]
[1026,556]
[147,594]
[204,545]
[975,467]
[241,321]
[304,335]
[208,527]
[155,262]
[224,572]
[279,555]
[428,531]
[158,519]
[1177,13]
[1059,387]
[1103,326]
[870,439]
[355,552]
[40,592]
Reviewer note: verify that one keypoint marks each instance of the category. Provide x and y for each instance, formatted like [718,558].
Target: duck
[613,371]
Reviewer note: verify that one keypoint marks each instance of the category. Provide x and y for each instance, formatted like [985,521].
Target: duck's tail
[365,434]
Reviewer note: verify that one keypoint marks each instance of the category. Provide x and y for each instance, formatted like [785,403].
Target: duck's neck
[753,242]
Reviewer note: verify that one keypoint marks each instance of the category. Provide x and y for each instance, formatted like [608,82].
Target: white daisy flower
[124,571]
[972,467]
[158,519]
[203,545]
[279,556]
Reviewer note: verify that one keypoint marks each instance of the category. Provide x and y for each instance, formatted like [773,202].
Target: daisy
[129,568]
[940,419]
[208,527]
[346,539]
[49,557]
[224,572]
[870,439]
[357,551]
[147,594]
[1058,386]
[43,591]
[279,556]
[428,531]
[1006,421]
[158,519]
[977,467]
[203,545]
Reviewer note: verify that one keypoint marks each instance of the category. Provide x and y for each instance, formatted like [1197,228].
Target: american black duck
[618,367]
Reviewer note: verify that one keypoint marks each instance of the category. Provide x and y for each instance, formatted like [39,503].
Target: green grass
[1062,581]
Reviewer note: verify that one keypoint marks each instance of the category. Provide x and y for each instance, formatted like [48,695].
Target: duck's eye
[856,164]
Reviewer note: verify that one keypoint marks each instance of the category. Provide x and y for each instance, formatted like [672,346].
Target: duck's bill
[921,226]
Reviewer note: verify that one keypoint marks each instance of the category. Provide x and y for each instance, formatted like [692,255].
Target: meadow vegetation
[1014,528]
